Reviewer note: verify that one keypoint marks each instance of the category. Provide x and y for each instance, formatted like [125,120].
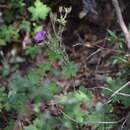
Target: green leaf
[37,28]
[61,21]
[43,122]
[115,85]
[3,99]
[34,76]
[50,89]
[55,54]
[45,67]
[8,17]
[85,90]
[17,96]
[8,32]
[122,98]
[33,51]
[16,59]
[2,42]
[25,26]
[6,68]
[74,98]
[11,125]
[69,70]
[112,35]
[78,114]
[39,11]
[17,4]
[119,40]
[99,107]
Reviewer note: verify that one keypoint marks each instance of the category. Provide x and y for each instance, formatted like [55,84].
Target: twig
[91,122]
[4,6]
[117,91]
[121,22]
[98,50]
[126,120]
[122,94]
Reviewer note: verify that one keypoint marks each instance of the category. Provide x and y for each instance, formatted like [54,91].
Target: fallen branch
[91,122]
[121,22]
[117,91]
[122,94]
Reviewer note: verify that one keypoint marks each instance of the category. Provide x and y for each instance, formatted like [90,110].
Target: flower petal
[39,36]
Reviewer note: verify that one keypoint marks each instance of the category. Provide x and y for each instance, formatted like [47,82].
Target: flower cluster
[40,36]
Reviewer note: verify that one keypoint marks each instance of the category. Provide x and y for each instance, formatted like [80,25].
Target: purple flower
[40,36]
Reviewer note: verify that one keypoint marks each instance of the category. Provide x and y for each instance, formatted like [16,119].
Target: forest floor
[89,42]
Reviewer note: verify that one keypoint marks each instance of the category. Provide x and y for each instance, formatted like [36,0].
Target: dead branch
[91,122]
[4,6]
[117,91]
[121,22]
